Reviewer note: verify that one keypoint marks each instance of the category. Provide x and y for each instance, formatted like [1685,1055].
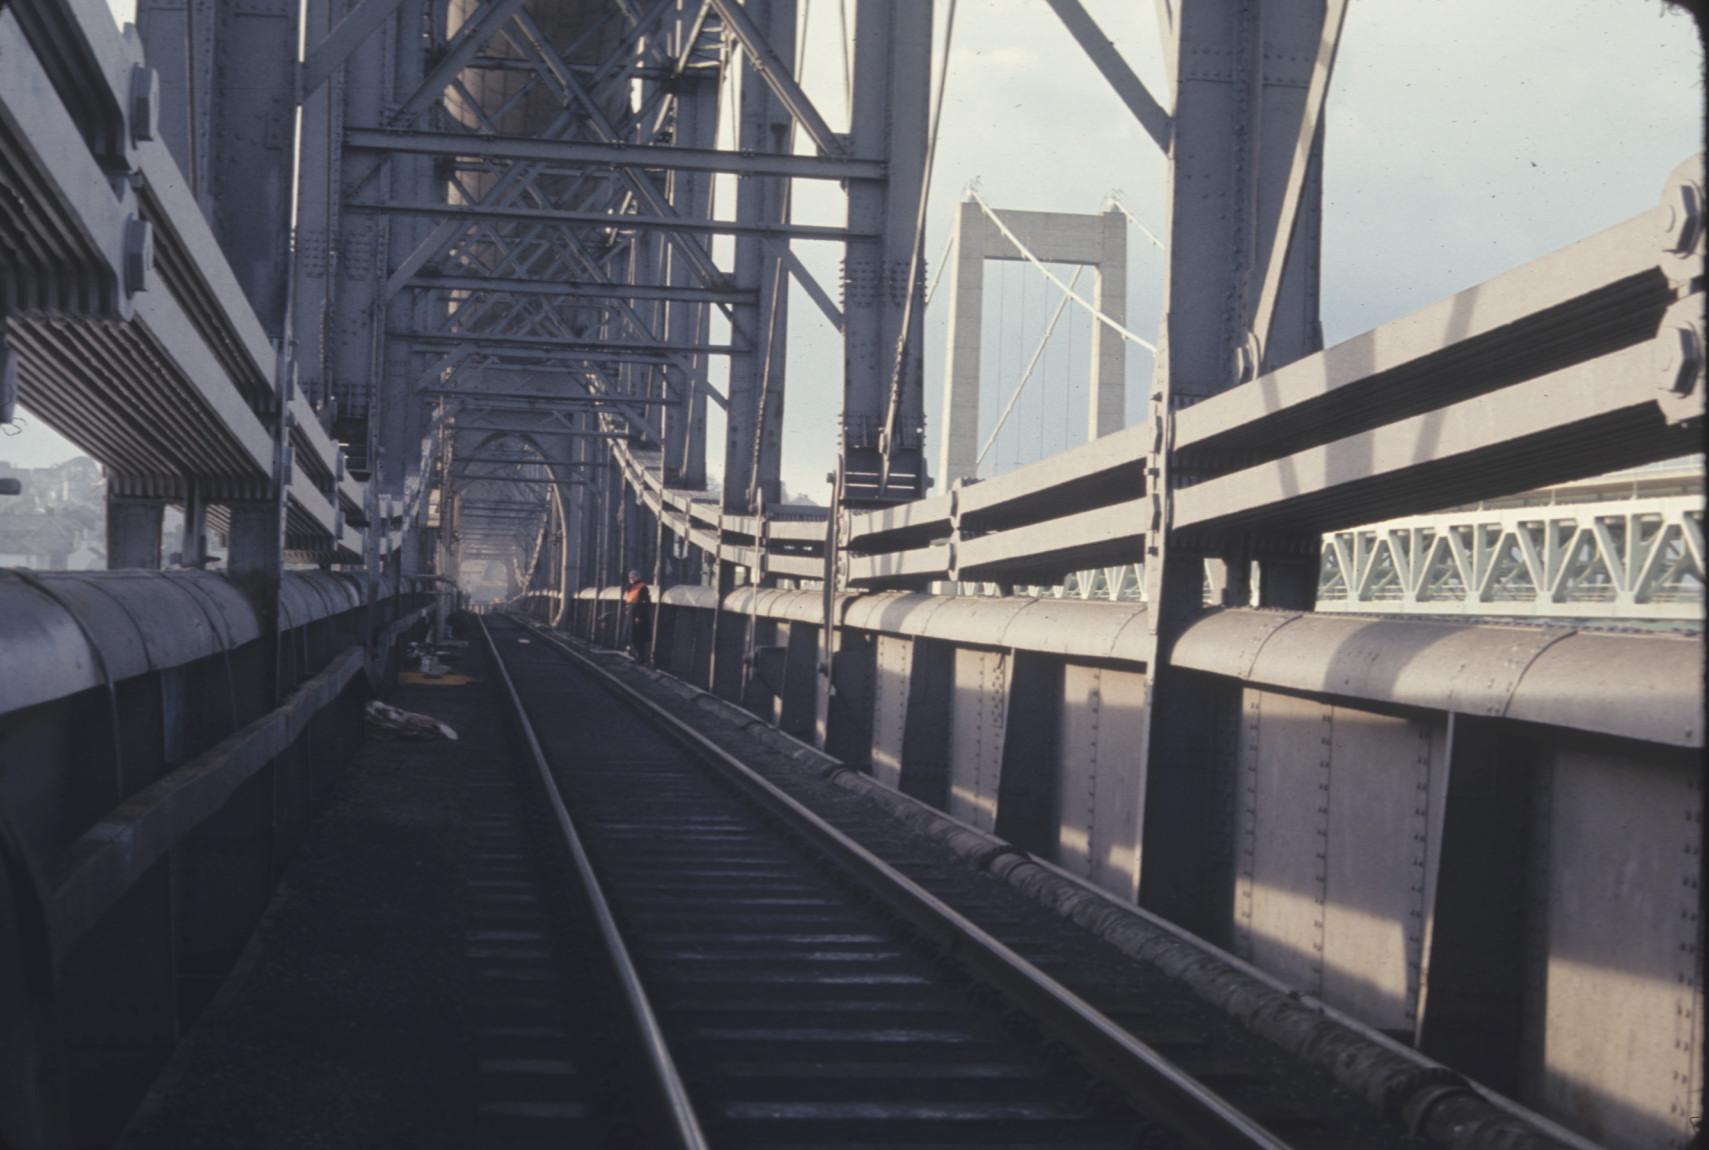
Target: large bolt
[139,254]
[1679,357]
[1683,218]
[145,103]
[1679,361]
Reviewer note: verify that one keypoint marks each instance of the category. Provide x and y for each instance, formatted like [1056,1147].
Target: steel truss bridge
[437,304]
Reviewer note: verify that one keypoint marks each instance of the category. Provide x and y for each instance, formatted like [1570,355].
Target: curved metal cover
[37,634]
[140,619]
[319,595]
[1647,687]
[682,595]
[1636,686]
[1468,668]
[1075,628]
[296,604]
[1228,642]
[234,619]
[891,612]
[976,621]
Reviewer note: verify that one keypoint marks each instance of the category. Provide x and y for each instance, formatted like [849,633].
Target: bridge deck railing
[1562,369]
[1427,823]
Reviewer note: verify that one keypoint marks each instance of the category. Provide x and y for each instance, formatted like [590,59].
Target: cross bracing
[1624,546]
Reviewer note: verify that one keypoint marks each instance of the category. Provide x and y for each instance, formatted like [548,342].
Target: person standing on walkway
[638,597]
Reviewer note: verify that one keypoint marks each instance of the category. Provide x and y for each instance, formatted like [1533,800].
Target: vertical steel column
[179,38]
[317,213]
[365,90]
[690,193]
[763,126]
[892,93]
[193,540]
[646,268]
[133,532]
[958,431]
[1240,94]
[228,116]
[1108,410]
[401,414]
[754,415]
[572,496]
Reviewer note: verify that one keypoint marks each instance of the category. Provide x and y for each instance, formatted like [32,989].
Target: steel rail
[1153,1085]
[682,1127]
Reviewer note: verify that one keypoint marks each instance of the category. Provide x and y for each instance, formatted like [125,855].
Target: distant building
[58,521]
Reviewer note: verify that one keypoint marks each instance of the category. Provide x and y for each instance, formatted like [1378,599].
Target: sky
[1463,138]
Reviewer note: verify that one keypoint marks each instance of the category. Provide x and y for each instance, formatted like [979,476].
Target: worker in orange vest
[639,598]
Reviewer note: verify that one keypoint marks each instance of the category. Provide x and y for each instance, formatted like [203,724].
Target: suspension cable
[1038,352]
[1027,254]
[1112,202]
[943,262]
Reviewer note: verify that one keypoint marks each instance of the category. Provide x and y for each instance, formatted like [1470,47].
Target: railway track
[784,986]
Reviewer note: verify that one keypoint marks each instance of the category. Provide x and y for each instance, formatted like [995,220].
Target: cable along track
[788,988]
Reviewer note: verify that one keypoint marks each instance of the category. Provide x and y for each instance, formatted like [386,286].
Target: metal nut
[145,104]
[1684,219]
[1679,358]
[139,255]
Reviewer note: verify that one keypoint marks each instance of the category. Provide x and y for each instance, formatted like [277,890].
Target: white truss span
[1623,547]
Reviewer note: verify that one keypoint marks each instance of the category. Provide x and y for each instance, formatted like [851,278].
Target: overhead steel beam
[530,149]
[512,285]
[547,403]
[549,343]
[548,398]
[478,345]
[513,479]
[605,219]
[518,429]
